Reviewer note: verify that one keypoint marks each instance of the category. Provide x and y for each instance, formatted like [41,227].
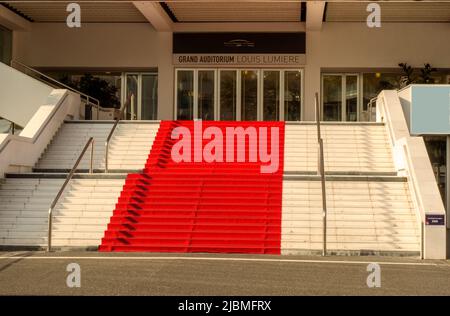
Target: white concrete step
[362,215]
[129,146]
[351,147]
[79,219]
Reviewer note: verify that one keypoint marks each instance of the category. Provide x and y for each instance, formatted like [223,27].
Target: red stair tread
[198,206]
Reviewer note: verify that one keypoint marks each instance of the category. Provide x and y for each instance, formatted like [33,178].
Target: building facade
[261,61]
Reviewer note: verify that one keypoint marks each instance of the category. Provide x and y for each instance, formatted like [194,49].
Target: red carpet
[199,206]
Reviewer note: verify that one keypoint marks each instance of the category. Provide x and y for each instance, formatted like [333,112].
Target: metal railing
[370,107]
[11,127]
[321,171]
[111,133]
[90,142]
[88,100]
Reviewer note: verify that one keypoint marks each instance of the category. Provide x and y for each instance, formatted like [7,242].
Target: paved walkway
[40,273]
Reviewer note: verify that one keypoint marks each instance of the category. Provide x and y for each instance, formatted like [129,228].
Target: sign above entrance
[235,49]
[239,43]
[239,59]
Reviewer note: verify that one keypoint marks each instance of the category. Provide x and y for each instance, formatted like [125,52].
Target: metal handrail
[370,106]
[90,142]
[41,129]
[321,171]
[12,126]
[91,101]
[120,117]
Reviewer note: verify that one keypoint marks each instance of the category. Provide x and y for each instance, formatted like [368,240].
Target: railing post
[49,237]
[91,168]
[106,156]
[321,170]
[132,115]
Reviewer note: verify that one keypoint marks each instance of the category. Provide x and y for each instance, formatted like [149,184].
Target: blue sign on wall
[429,110]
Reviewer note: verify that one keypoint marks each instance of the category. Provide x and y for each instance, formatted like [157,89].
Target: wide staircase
[146,202]
[81,216]
[369,207]
[199,206]
[79,219]
[128,148]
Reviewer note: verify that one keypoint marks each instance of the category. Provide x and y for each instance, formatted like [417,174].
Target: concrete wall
[337,45]
[19,153]
[21,95]
[411,160]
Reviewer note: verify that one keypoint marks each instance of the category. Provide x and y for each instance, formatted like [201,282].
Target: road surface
[40,273]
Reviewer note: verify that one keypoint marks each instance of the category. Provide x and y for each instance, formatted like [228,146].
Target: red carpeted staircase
[199,206]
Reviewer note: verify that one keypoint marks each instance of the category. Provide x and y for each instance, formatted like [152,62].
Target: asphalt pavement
[40,273]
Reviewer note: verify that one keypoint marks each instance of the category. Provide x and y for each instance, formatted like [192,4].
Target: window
[346,96]
[113,89]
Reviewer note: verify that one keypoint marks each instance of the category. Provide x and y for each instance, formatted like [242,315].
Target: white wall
[411,160]
[337,45]
[354,45]
[21,95]
[20,153]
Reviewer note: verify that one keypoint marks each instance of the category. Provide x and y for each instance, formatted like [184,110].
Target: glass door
[340,97]
[149,99]
[249,95]
[141,89]
[206,94]
[292,95]
[238,94]
[351,98]
[131,95]
[185,94]
[271,95]
[228,95]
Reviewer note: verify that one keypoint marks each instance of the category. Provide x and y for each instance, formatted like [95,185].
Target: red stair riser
[199,206]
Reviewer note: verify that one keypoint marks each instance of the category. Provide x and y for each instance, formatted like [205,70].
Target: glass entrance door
[292,95]
[206,95]
[238,94]
[149,99]
[141,90]
[340,97]
[249,95]
[228,95]
[271,95]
